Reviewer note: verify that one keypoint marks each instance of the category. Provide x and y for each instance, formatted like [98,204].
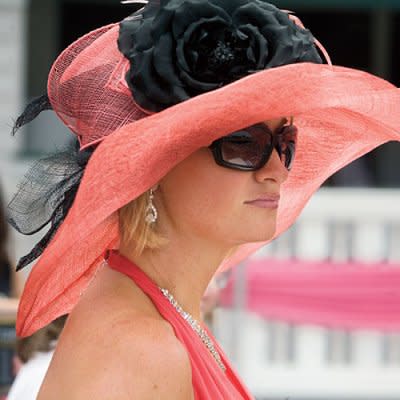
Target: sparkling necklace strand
[196,327]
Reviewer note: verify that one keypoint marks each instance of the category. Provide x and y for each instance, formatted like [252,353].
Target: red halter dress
[210,382]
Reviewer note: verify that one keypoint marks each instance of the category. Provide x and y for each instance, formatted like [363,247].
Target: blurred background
[353,222]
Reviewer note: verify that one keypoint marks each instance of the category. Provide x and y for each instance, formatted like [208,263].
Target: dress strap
[209,381]
[118,262]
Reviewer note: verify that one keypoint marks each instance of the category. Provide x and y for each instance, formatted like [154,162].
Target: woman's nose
[272,170]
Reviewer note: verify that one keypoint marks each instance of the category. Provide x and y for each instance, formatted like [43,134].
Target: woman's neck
[185,267]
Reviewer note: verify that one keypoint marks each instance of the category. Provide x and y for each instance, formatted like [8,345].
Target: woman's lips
[270,201]
[264,203]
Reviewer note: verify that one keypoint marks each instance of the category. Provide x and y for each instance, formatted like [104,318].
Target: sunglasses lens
[251,148]
[246,148]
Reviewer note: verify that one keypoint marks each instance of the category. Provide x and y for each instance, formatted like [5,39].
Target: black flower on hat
[181,48]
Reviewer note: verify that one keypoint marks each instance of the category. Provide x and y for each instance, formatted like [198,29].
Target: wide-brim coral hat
[341,114]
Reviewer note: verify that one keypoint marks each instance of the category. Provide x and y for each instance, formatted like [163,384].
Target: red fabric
[335,295]
[209,381]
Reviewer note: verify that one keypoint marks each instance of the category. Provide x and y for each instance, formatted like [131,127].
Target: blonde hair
[135,231]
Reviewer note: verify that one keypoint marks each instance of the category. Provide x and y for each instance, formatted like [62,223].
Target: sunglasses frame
[216,148]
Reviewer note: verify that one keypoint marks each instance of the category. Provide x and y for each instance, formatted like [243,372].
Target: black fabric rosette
[181,48]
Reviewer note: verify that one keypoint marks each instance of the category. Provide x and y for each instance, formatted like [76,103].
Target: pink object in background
[334,295]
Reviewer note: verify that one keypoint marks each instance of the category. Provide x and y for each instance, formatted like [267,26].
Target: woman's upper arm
[17,282]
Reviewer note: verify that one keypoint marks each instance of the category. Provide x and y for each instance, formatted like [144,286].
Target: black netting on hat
[45,195]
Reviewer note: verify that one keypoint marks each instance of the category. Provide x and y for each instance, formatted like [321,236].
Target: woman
[34,355]
[10,289]
[185,165]
[11,284]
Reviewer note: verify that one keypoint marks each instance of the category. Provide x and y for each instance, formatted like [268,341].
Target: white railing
[278,360]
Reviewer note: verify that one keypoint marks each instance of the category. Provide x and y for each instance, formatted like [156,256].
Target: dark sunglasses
[250,148]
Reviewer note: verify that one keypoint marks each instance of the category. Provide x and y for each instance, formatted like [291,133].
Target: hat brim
[341,113]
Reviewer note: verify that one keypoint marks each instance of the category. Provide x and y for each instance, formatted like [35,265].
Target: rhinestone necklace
[196,327]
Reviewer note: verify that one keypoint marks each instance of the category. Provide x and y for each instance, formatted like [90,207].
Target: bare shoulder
[116,352]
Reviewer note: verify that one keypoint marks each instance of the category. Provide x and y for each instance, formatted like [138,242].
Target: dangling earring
[151,211]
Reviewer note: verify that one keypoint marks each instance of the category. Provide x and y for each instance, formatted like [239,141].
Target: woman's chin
[263,235]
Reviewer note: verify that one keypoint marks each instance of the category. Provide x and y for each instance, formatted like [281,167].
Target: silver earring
[151,211]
